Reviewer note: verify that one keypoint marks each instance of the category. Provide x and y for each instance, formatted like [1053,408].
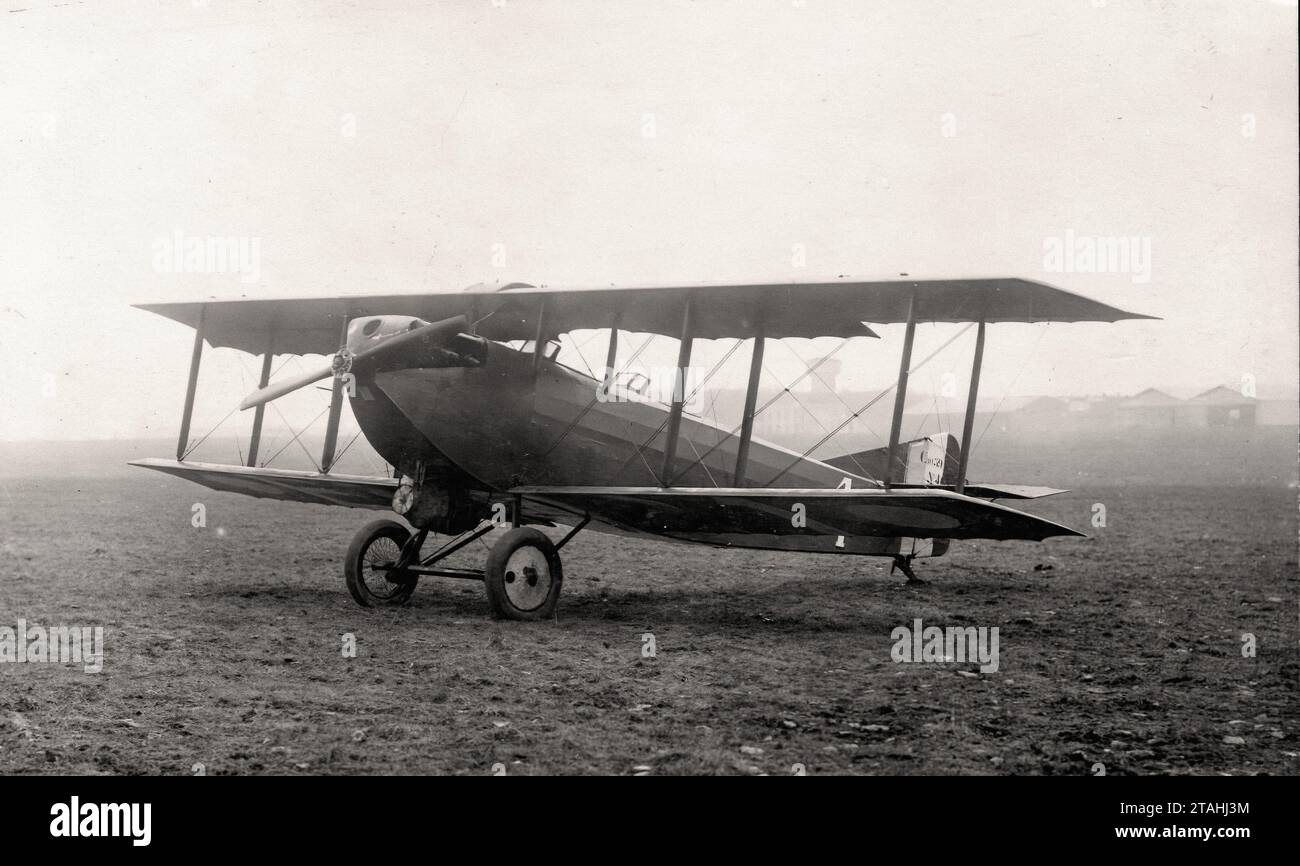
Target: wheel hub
[379,559]
[527,578]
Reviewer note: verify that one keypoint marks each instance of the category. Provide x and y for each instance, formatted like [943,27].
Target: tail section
[931,460]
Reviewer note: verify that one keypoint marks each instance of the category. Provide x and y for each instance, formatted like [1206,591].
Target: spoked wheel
[374,550]
[523,576]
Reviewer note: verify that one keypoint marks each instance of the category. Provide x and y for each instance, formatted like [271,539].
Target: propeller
[344,360]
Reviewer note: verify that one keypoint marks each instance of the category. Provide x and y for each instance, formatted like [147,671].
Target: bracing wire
[871,403]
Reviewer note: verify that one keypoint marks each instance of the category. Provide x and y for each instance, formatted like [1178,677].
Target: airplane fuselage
[508,422]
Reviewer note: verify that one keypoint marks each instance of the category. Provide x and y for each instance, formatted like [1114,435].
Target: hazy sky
[398,147]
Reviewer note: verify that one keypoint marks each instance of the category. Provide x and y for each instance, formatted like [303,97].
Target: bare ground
[223,648]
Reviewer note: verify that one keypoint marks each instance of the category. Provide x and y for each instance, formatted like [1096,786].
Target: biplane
[462,394]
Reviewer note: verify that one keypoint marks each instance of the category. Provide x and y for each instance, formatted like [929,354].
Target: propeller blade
[278,389]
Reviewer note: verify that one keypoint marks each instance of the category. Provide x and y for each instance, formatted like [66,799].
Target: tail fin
[929,460]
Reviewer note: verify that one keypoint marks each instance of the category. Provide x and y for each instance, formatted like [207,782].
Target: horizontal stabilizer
[991,491]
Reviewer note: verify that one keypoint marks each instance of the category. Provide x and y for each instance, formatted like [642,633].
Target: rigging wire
[688,398]
[345,449]
[295,436]
[703,466]
[852,456]
[594,400]
[205,436]
[872,402]
[1032,349]
[816,420]
[243,386]
[764,407]
[578,348]
[835,393]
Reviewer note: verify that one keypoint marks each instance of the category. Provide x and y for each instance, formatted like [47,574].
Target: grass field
[223,647]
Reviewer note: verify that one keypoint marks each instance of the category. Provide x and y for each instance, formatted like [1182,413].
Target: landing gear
[904,564]
[523,576]
[523,573]
[372,569]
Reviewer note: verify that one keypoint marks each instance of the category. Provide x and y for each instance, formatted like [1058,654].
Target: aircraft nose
[367,331]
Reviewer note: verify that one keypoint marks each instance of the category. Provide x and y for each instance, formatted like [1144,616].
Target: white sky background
[775,124]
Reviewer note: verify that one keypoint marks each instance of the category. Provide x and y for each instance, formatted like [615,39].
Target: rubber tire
[353,565]
[494,579]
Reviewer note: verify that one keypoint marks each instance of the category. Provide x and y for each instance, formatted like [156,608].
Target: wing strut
[900,396]
[679,391]
[539,337]
[611,354]
[751,398]
[262,381]
[336,407]
[968,426]
[192,386]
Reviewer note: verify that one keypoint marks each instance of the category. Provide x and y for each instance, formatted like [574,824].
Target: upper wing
[694,512]
[831,308]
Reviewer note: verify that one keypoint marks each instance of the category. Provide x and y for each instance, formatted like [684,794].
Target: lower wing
[684,513]
[687,513]
[354,491]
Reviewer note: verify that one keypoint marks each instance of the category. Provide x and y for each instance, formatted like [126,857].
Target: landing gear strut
[904,564]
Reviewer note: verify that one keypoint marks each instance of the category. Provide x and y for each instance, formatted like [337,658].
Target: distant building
[1039,414]
[798,419]
[1045,407]
[1220,407]
[1151,408]
[1095,412]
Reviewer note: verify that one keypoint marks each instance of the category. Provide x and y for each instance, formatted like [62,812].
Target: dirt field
[223,648]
